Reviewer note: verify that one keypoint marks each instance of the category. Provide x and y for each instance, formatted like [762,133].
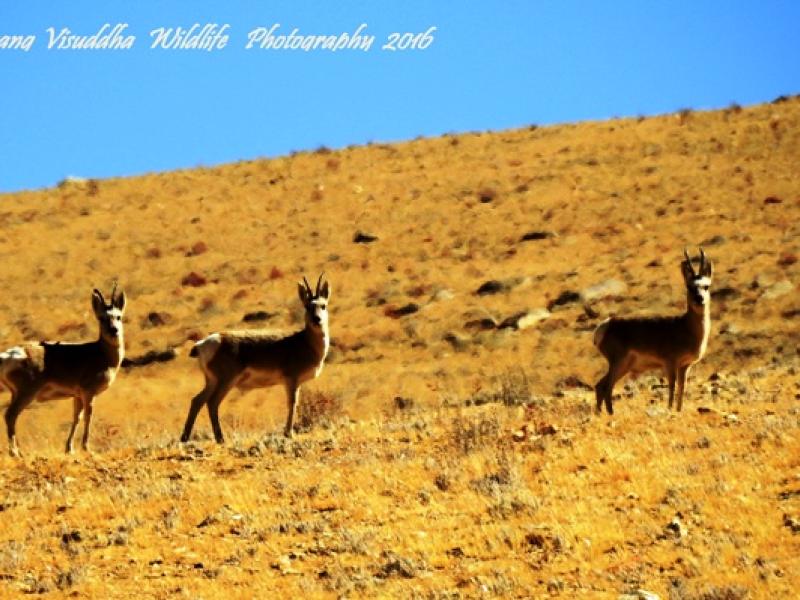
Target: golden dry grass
[437,499]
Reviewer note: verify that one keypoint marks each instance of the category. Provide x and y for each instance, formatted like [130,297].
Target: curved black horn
[688,260]
[702,260]
[319,283]
[308,287]
[113,290]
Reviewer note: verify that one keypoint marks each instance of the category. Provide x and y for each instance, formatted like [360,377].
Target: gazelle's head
[109,314]
[315,303]
[697,282]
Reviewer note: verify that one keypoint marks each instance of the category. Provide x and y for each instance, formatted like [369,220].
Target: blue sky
[492,65]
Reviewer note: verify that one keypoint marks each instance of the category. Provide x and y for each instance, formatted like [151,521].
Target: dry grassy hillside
[451,450]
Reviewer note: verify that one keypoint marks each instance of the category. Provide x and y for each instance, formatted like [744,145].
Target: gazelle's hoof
[14,453]
[287,433]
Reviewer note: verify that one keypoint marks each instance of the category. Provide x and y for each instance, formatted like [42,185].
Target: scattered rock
[403,403]
[654,410]
[716,240]
[651,150]
[639,595]
[194,279]
[787,259]
[258,315]
[197,248]
[152,356]
[156,319]
[573,382]
[482,324]
[442,295]
[458,343]
[396,313]
[532,318]
[772,200]
[364,238]
[546,429]
[676,528]
[491,287]
[564,298]
[512,321]
[486,195]
[792,523]
[535,236]
[610,287]
[521,434]
[724,293]
[779,289]
[396,566]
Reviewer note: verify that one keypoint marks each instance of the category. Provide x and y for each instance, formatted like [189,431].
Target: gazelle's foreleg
[292,396]
[77,410]
[672,376]
[88,405]
[682,373]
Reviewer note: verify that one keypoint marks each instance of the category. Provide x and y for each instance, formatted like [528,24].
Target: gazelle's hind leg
[600,391]
[197,403]
[77,410]
[214,400]
[20,399]
[616,370]
[671,376]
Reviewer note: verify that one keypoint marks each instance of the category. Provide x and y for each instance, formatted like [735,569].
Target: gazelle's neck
[699,322]
[319,338]
[113,349]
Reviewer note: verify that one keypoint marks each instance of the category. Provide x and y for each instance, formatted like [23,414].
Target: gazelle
[258,359]
[49,370]
[672,344]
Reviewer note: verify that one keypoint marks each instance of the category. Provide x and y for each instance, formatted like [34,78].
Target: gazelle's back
[665,336]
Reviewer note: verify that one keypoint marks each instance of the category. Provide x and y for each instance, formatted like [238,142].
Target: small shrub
[470,434]
[514,388]
[317,407]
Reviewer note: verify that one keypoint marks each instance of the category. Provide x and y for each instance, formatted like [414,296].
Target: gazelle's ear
[325,291]
[118,301]
[302,291]
[98,302]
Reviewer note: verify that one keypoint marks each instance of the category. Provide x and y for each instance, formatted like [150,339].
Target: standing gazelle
[258,359]
[49,370]
[672,344]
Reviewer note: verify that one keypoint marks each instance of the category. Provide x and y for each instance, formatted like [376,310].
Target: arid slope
[455,489]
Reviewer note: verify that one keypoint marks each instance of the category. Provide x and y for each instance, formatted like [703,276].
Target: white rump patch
[600,332]
[207,347]
[17,352]
[11,359]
